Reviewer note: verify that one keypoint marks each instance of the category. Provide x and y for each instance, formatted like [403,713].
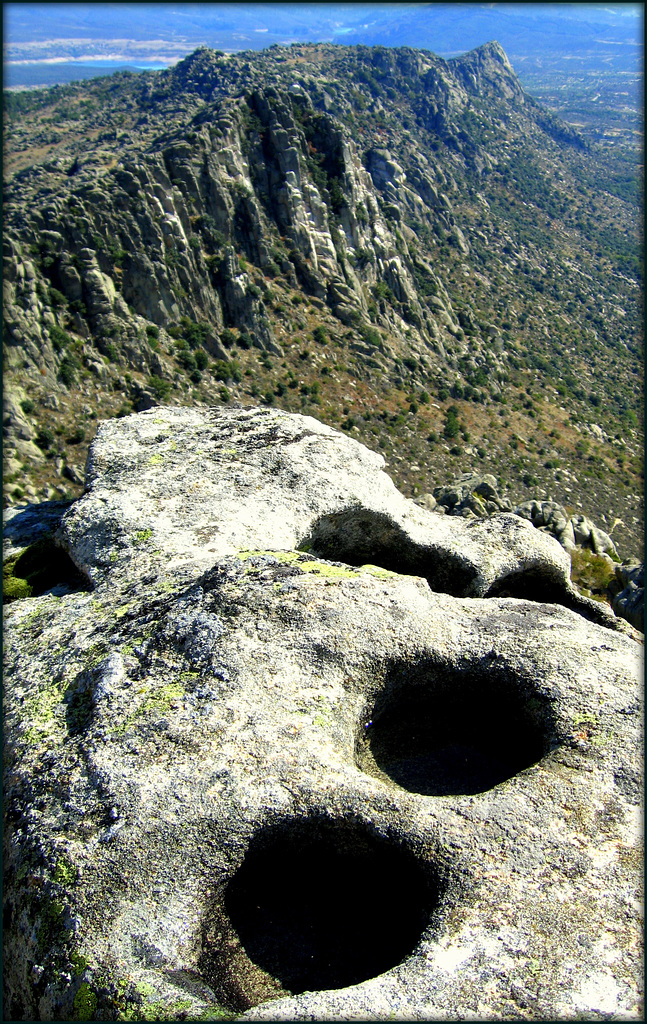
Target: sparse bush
[59,338]
[57,298]
[319,335]
[452,426]
[67,370]
[161,388]
[227,370]
[590,572]
[44,438]
[186,359]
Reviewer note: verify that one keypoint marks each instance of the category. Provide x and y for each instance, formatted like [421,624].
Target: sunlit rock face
[277,744]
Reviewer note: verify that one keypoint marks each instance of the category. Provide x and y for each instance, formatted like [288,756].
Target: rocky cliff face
[167,236]
[282,744]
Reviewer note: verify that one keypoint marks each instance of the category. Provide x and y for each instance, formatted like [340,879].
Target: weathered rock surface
[300,786]
[629,599]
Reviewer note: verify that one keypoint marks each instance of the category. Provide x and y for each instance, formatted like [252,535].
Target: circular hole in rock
[321,905]
[447,733]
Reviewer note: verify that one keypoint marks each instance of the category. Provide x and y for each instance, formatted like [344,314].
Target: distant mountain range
[607,38]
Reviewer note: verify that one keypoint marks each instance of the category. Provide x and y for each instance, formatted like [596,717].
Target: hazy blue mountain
[444,28]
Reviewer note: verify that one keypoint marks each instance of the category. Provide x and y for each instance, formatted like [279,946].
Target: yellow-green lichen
[155,460]
[85,1003]
[379,572]
[155,1010]
[142,536]
[79,962]
[158,702]
[39,711]
[320,567]
[64,873]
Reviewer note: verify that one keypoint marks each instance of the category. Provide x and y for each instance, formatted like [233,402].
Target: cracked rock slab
[302,786]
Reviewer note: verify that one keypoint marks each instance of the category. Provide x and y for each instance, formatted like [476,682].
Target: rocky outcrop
[628,593]
[294,754]
[267,173]
[473,495]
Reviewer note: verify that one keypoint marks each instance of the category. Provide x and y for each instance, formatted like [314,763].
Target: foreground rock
[298,786]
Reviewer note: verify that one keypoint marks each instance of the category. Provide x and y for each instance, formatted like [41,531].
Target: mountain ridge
[237,205]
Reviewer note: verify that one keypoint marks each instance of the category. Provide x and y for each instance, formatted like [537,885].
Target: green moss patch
[37,569]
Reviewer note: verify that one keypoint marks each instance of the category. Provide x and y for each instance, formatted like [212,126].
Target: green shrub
[225,395]
[195,334]
[57,298]
[319,335]
[452,426]
[201,359]
[382,291]
[59,338]
[161,388]
[77,435]
[228,338]
[186,359]
[44,438]
[227,370]
[67,370]
[27,406]
[590,572]
[370,335]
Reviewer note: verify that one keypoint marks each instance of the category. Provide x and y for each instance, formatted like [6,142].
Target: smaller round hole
[451,734]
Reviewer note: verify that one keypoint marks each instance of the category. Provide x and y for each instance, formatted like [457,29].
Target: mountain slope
[407,247]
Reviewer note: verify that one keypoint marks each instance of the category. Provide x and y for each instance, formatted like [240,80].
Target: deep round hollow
[450,733]
[358,536]
[321,905]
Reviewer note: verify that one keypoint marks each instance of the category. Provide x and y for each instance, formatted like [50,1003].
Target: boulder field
[281,744]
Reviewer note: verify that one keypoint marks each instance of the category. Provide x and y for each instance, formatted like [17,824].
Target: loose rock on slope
[238,771]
